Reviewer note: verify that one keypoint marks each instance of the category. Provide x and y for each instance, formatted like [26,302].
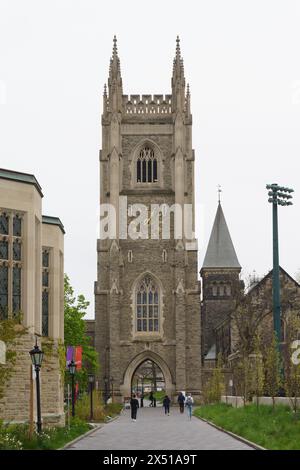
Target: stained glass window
[17,226]
[3,249]
[16,289]
[10,264]
[3,292]
[17,251]
[45,293]
[45,313]
[4,224]
[147,306]
[45,259]
[45,279]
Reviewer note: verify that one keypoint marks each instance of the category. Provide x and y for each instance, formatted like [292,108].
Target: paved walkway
[154,430]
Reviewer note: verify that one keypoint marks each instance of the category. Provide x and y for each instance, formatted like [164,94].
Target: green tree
[242,377]
[75,331]
[214,387]
[292,367]
[272,370]
[258,376]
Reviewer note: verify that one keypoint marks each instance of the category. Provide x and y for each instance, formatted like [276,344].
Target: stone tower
[220,281]
[147,295]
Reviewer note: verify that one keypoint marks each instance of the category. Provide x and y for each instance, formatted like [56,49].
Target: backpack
[189,401]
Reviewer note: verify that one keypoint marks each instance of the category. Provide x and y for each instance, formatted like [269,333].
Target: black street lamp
[72,370]
[278,195]
[91,382]
[105,389]
[112,389]
[37,358]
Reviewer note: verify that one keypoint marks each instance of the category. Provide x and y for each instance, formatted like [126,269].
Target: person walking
[166,405]
[181,399]
[151,398]
[189,404]
[134,405]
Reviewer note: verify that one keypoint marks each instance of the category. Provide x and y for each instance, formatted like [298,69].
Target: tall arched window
[147,305]
[146,166]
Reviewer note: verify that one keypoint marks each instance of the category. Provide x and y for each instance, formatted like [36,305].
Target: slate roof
[220,252]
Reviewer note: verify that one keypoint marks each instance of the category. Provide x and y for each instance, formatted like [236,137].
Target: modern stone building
[32,291]
[147,295]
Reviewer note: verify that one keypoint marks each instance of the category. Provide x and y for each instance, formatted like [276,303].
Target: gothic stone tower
[220,282]
[147,296]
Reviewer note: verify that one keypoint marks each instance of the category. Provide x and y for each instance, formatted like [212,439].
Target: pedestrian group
[183,401]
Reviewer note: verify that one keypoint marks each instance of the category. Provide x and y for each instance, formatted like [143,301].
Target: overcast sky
[242,62]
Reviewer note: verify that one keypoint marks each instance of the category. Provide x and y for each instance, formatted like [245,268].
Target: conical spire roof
[220,251]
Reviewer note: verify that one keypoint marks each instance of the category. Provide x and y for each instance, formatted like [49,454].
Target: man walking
[151,398]
[181,399]
[134,405]
[189,404]
[166,405]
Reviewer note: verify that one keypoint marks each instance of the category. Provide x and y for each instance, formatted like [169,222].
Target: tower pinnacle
[114,69]
[178,68]
[178,80]
[115,80]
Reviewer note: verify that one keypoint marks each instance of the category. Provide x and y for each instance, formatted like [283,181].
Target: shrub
[83,410]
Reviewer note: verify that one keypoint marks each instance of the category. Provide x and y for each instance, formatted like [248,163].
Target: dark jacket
[181,398]
[134,403]
[166,401]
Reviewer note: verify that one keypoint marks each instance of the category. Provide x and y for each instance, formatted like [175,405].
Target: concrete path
[154,430]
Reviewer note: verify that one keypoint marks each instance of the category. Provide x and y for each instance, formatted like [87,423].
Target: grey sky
[242,62]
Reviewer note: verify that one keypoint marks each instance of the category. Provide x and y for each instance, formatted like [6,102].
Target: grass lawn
[277,430]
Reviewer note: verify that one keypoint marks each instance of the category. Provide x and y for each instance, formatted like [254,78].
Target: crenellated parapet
[147,104]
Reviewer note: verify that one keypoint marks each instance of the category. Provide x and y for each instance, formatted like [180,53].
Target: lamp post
[37,358]
[112,389]
[105,389]
[72,370]
[91,382]
[278,195]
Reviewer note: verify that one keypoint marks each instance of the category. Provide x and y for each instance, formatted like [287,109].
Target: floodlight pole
[276,275]
[278,195]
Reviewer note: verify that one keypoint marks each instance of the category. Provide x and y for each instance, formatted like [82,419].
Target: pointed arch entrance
[134,365]
[148,377]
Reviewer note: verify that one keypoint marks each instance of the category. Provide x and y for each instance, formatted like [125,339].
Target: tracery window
[147,306]
[45,292]
[10,264]
[146,169]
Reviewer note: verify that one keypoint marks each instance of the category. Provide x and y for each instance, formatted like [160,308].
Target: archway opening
[148,382]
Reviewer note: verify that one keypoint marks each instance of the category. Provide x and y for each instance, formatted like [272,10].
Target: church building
[147,293]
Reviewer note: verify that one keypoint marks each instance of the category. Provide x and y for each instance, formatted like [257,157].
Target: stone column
[114,318]
[180,318]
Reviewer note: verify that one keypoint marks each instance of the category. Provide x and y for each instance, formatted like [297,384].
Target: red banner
[78,357]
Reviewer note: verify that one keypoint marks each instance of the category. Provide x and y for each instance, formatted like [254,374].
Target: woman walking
[166,405]
[134,405]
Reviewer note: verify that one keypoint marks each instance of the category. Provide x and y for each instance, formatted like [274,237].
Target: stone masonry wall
[15,405]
